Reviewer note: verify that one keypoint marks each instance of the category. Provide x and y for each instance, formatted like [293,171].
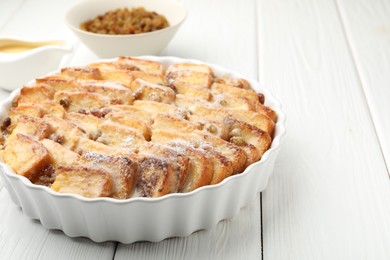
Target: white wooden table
[328,62]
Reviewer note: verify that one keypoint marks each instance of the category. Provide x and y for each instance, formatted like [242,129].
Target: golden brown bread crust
[74,101]
[179,161]
[59,155]
[130,125]
[132,121]
[89,182]
[147,66]
[35,94]
[82,73]
[34,127]
[157,178]
[26,156]
[39,109]
[122,170]
[200,168]
[144,90]
[234,82]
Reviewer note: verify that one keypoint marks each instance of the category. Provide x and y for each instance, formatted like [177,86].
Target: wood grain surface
[23,238]
[367,27]
[328,196]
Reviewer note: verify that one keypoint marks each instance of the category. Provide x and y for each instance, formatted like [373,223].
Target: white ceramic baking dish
[146,219]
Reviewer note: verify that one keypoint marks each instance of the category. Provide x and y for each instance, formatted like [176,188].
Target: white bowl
[43,56]
[110,46]
[146,219]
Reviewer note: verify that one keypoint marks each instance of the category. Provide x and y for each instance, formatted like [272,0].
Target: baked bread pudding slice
[133,127]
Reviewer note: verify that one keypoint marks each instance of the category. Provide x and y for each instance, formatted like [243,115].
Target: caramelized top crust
[133,127]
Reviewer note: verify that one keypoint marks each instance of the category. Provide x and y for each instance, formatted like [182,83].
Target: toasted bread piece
[200,168]
[86,145]
[133,111]
[214,127]
[259,120]
[233,102]
[117,93]
[157,178]
[148,91]
[37,109]
[231,151]
[175,123]
[179,162]
[131,121]
[60,155]
[109,71]
[122,169]
[234,82]
[65,132]
[250,94]
[148,77]
[27,109]
[222,166]
[85,73]
[266,111]
[26,156]
[150,67]
[89,123]
[119,135]
[125,73]
[24,109]
[49,107]
[40,109]
[189,103]
[201,68]
[59,83]
[249,134]
[252,153]
[35,94]
[189,77]
[153,108]
[256,119]
[33,127]
[238,98]
[191,90]
[168,122]
[89,182]
[197,74]
[74,101]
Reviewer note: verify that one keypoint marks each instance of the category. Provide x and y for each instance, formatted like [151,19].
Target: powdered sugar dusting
[105,84]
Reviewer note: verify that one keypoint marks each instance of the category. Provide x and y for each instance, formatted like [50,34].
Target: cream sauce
[17,47]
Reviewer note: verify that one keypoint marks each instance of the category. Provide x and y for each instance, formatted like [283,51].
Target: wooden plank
[230,239]
[329,195]
[367,27]
[23,238]
[232,44]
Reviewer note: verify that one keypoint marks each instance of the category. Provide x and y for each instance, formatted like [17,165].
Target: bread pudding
[131,127]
